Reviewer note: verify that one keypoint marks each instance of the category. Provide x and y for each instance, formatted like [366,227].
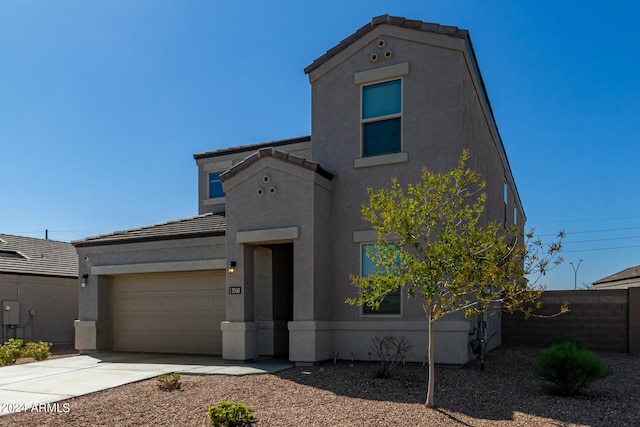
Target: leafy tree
[435,242]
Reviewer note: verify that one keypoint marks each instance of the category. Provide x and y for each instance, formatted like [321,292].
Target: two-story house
[263,270]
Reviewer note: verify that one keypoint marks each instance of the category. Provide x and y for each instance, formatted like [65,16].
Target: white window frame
[208,169]
[374,76]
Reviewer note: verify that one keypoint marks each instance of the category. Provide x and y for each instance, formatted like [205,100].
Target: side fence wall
[604,320]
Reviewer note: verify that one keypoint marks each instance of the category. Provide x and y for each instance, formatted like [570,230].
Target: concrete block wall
[601,319]
[634,320]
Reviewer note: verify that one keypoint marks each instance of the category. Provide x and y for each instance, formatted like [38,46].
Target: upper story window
[382,118]
[215,186]
[506,193]
[506,201]
[391,302]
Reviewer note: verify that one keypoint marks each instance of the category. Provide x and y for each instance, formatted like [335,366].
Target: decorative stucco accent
[384,159]
[159,267]
[271,235]
[381,73]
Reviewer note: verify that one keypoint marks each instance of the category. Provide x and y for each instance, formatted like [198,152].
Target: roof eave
[127,240]
[251,147]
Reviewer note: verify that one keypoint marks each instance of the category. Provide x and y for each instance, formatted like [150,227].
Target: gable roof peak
[387,19]
[280,155]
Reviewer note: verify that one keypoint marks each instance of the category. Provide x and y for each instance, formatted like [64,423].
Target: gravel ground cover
[506,393]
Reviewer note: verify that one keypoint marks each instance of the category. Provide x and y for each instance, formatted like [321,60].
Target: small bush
[567,338]
[230,414]
[169,382]
[569,367]
[11,351]
[390,351]
[38,350]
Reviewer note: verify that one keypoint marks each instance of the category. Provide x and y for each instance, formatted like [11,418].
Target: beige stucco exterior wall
[297,213]
[223,162]
[53,300]
[102,262]
[443,112]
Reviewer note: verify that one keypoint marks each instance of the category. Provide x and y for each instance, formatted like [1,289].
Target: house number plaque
[235,290]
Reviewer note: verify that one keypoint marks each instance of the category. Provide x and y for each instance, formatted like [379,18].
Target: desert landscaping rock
[507,393]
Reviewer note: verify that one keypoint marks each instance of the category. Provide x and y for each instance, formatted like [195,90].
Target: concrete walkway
[49,381]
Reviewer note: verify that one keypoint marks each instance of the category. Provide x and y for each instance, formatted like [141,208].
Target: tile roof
[27,255]
[251,147]
[389,20]
[629,273]
[198,226]
[281,155]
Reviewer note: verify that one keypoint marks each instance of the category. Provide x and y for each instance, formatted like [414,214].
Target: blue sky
[103,103]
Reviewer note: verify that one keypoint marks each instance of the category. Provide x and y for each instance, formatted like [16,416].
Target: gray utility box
[10,313]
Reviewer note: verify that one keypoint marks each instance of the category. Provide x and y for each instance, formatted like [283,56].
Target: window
[515,216]
[391,303]
[506,201]
[506,193]
[215,186]
[381,118]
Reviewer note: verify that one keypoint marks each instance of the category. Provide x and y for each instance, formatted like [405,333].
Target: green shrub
[38,350]
[11,351]
[230,414]
[567,338]
[169,382]
[569,367]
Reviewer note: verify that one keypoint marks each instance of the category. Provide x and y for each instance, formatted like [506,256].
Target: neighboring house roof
[199,226]
[285,157]
[627,274]
[39,257]
[447,30]
[251,147]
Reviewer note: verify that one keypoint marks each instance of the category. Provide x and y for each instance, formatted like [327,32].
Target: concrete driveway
[49,381]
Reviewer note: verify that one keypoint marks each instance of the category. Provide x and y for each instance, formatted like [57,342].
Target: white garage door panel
[168,312]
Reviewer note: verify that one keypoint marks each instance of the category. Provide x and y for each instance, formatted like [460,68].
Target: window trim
[221,166]
[367,78]
[382,118]
[380,160]
[505,196]
[209,199]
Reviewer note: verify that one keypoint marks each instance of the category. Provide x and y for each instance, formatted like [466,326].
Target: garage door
[168,312]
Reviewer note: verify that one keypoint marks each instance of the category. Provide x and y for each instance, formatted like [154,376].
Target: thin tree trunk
[431,381]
